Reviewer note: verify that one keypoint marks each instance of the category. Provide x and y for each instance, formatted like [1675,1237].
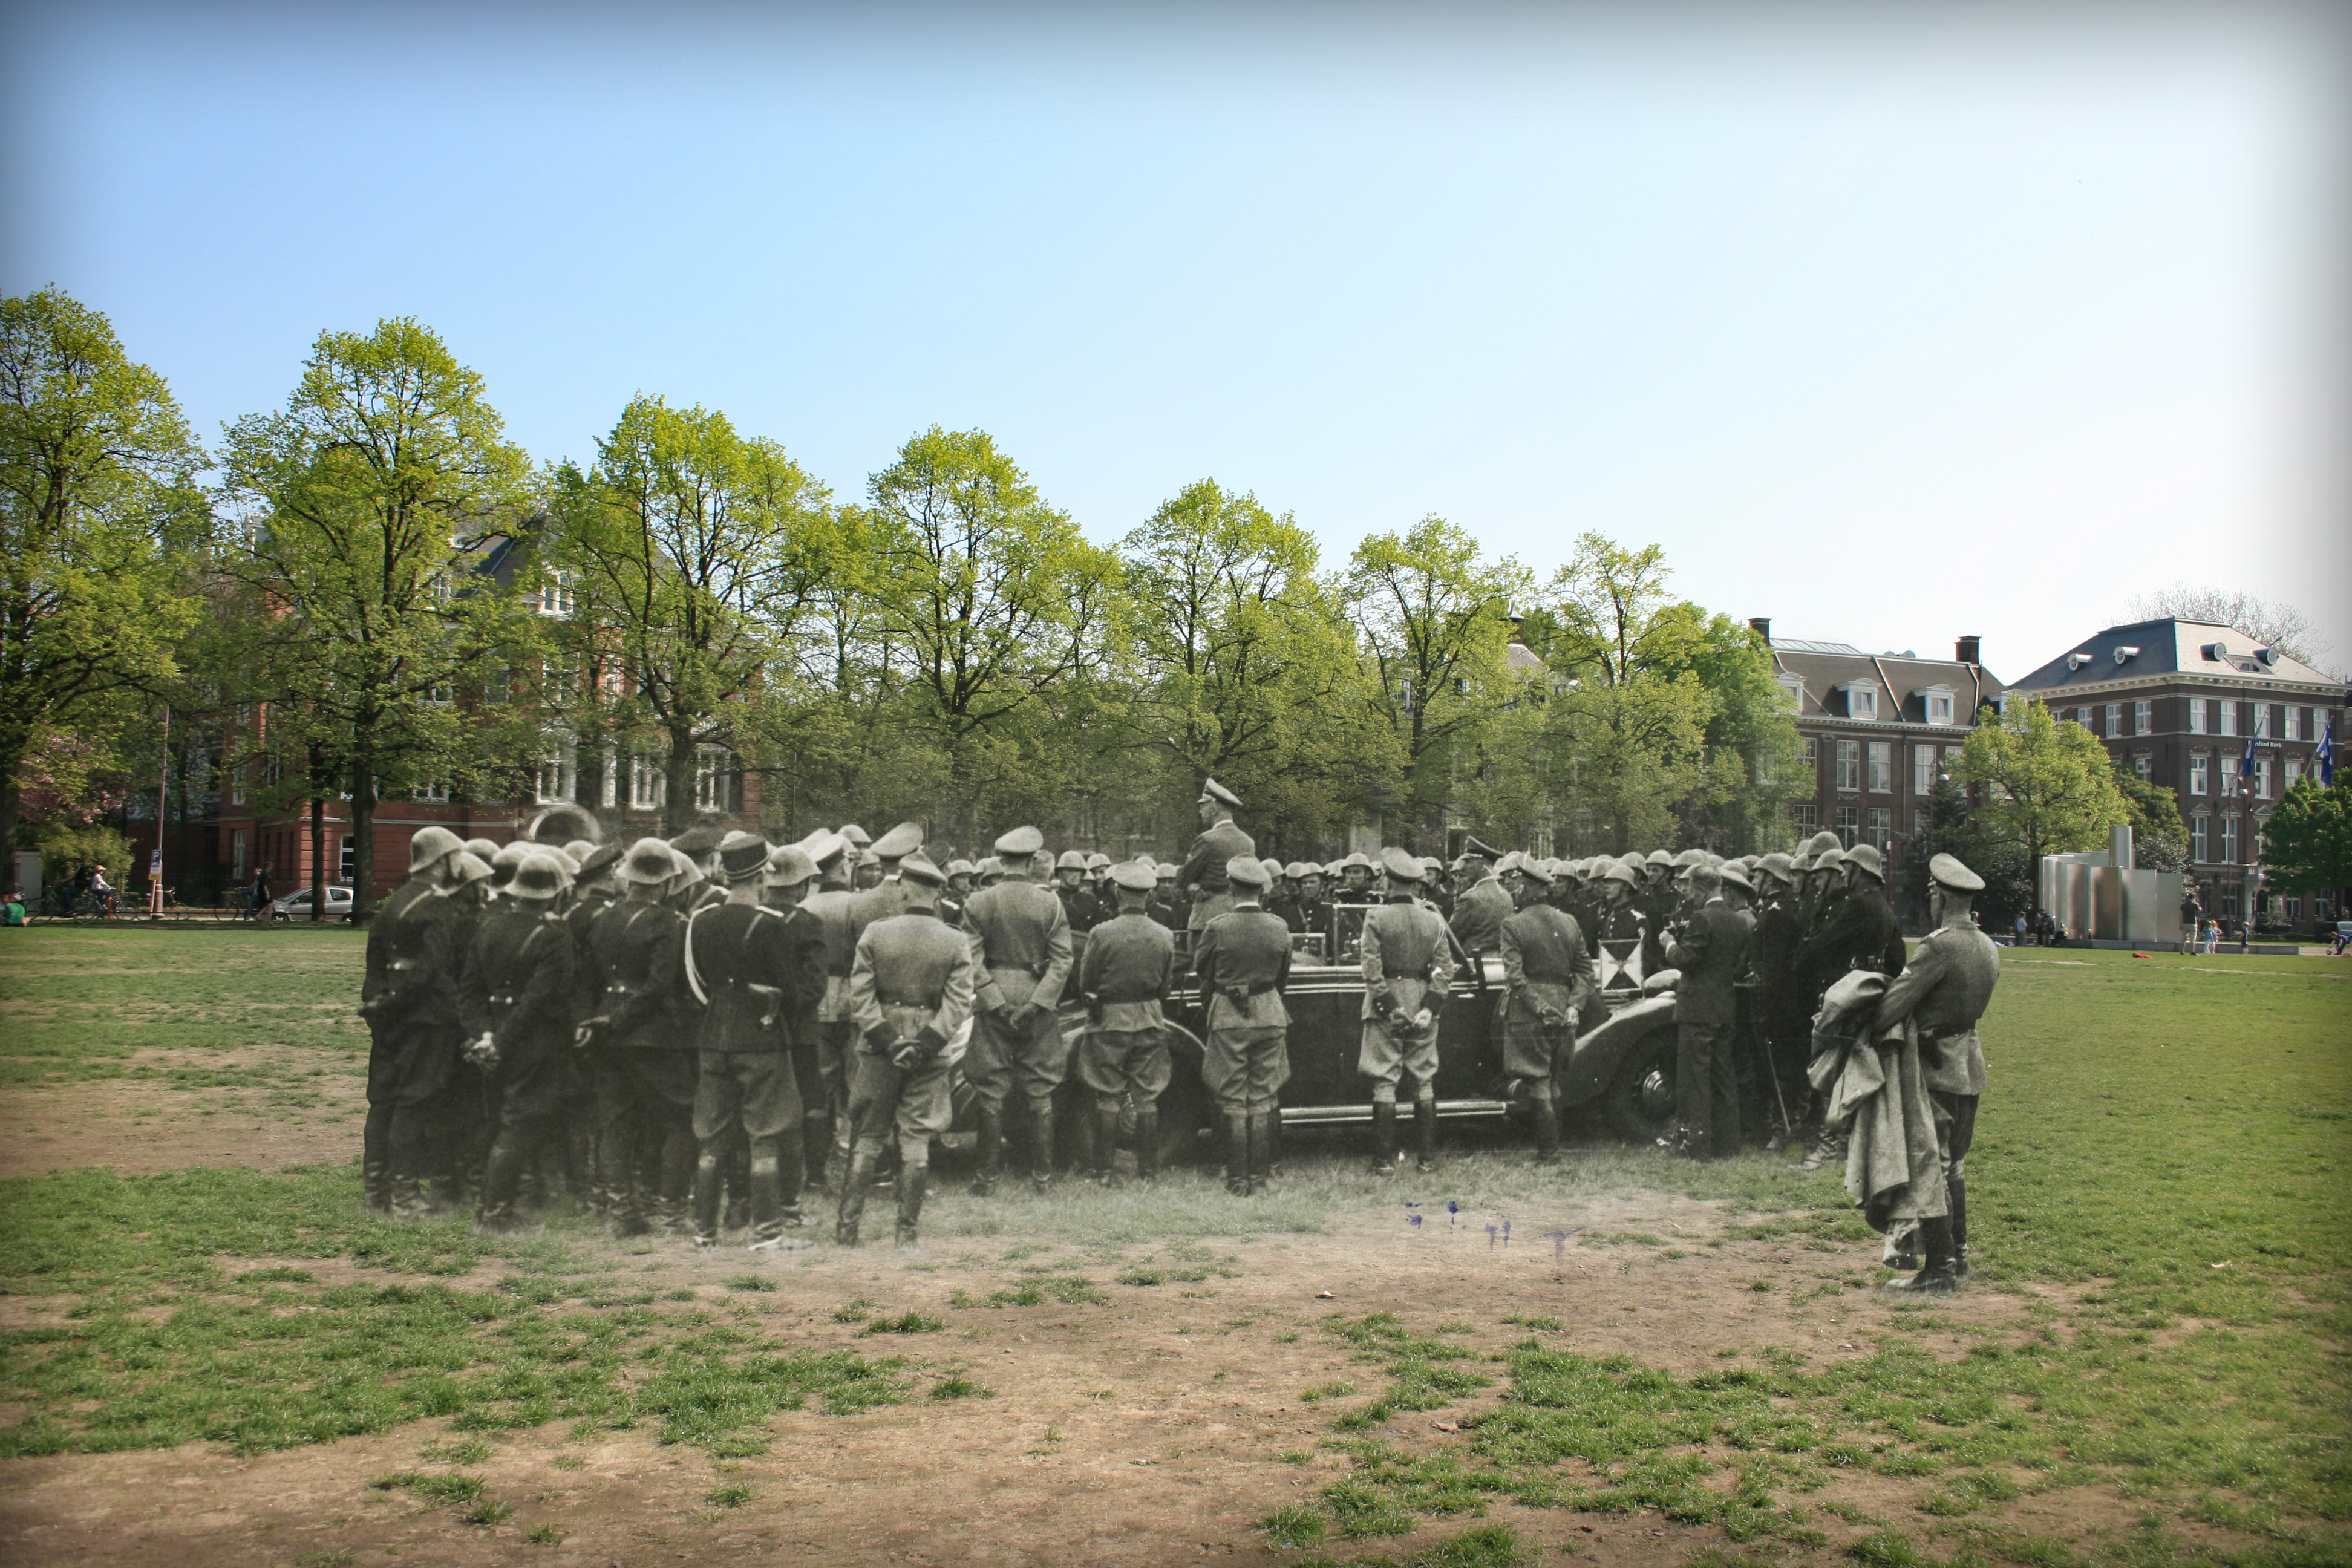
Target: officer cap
[822,846]
[789,866]
[1210,790]
[1298,868]
[431,846]
[741,854]
[1020,843]
[1532,869]
[1947,872]
[1480,848]
[1733,877]
[1071,861]
[578,849]
[1401,865]
[1248,870]
[650,860]
[699,839]
[1618,873]
[482,849]
[1274,871]
[1777,865]
[1097,861]
[961,869]
[471,868]
[601,859]
[1866,856]
[541,875]
[855,836]
[1134,876]
[918,868]
[1659,858]
[899,842]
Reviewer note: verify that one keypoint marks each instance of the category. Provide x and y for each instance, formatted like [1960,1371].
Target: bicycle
[97,906]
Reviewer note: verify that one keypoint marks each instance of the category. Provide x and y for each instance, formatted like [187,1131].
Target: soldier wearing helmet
[1080,908]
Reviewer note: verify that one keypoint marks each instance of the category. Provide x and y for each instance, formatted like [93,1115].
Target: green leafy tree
[695,557]
[2159,839]
[365,510]
[97,480]
[2307,842]
[2046,787]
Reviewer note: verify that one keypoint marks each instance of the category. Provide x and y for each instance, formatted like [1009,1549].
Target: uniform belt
[1247,989]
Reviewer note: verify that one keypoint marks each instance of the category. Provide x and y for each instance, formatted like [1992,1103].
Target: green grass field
[2159,1174]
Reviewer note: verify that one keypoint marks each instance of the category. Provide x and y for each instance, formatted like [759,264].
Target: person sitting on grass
[15,910]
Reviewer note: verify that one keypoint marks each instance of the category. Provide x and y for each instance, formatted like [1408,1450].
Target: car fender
[1599,1051]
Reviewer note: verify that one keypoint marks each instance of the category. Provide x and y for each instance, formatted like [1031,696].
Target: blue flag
[2246,763]
[2326,756]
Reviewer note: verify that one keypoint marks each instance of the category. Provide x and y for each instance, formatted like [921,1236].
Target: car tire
[1640,1100]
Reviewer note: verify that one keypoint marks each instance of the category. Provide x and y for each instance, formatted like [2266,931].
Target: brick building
[1879,731]
[2181,703]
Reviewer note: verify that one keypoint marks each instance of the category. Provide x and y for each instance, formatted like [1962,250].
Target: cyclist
[102,889]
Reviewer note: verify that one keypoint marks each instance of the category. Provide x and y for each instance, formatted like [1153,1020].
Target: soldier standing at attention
[1408,962]
[960,874]
[1021,943]
[1204,877]
[878,894]
[1080,908]
[910,988]
[1482,904]
[1124,976]
[1547,980]
[1710,949]
[1244,961]
[824,1105]
[410,1003]
[642,1054]
[520,1015]
[759,975]
[1944,989]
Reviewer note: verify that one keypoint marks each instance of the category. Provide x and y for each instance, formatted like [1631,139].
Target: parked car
[296,906]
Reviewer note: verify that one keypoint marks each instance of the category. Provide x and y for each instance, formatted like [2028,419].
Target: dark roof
[2163,646]
[1826,669]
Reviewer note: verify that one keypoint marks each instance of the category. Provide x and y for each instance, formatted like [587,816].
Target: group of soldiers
[687,1031]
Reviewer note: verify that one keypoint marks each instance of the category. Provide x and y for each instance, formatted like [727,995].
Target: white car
[296,906]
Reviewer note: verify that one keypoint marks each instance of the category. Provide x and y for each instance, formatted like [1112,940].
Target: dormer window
[1861,702]
[1792,692]
[1938,703]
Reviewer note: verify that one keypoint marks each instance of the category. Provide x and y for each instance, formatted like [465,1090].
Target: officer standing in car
[1481,906]
[1205,878]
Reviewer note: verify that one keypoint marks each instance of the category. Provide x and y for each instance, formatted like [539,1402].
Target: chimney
[1762,627]
[1965,650]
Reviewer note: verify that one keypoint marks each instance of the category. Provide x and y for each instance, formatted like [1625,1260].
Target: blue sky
[1889,323]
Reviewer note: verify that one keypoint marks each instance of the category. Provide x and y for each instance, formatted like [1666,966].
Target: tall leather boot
[1547,1133]
[1959,1191]
[1384,1142]
[1937,1278]
[914,1181]
[854,1188]
[1274,1143]
[1041,1145]
[1425,1128]
[766,1190]
[1146,1141]
[501,1180]
[1261,1133]
[1105,1144]
[709,1174]
[816,1151]
[375,1158]
[1237,1154]
[988,1157]
[375,1190]
[791,1163]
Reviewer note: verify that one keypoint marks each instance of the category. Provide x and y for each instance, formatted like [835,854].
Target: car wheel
[1640,1101]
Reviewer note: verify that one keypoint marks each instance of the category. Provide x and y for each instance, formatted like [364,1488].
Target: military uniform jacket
[414,960]
[1242,958]
[1302,914]
[1772,952]
[1711,953]
[1946,988]
[1479,914]
[520,983]
[637,955]
[1406,954]
[912,981]
[830,910]
[1130,962]
[1205,868]
[1545,961]
[1080,908]
[1857,932]
[757,973]
[1021,941]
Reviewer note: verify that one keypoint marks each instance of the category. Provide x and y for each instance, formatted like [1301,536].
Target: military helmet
[1866,856]
[789,866]
[961,868]
[1777,865]
[430,847]
[482,847]
[1097,861]
[1274,871]
[471,868]
[1071,861]
[540,876]
[649,860]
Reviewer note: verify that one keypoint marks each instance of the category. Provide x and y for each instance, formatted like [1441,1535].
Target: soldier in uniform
[1407,962]
[1080,908]
[1021,943]
[1710,950]
[1482,904]
[641,1033]
[911,988]
[1355,880]
[1244,961]
[760,975]
[1944,990]
[825,1104]
[960,875]
[863,873]
[1124,975]
[1310,911]
[1856,930]
[1546,984]
[519,1007]
[1203,878]
[1783,1032]
[408,1000]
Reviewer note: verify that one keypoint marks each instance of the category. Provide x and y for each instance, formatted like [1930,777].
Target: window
[347,866]
[2229,718]
[1804,816]
[236,864]
[1849,764]
[2263,778]
[434,793]
[1861,702]
[1882,768]
[2262,711]
[2115,719]
[1813,754]
[2228,777]
[1879,825]
[1939,707]
[559,594]
[555,774]
[2228,841]
[2293,768]
[1849,824]
[1923,770]
[2082,717]
[2145,766]
[1792,692]
[2197,716]
[648,786]
[2200,763]
[711,776]
[1952,757]
[236,787]
[2293,724]
[2143,718]
[2199,837]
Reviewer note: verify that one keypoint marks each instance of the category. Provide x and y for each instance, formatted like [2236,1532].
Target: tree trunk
[677,774]
[317,858]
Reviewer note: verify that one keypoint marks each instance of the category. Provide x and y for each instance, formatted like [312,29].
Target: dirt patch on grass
[142,1128]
